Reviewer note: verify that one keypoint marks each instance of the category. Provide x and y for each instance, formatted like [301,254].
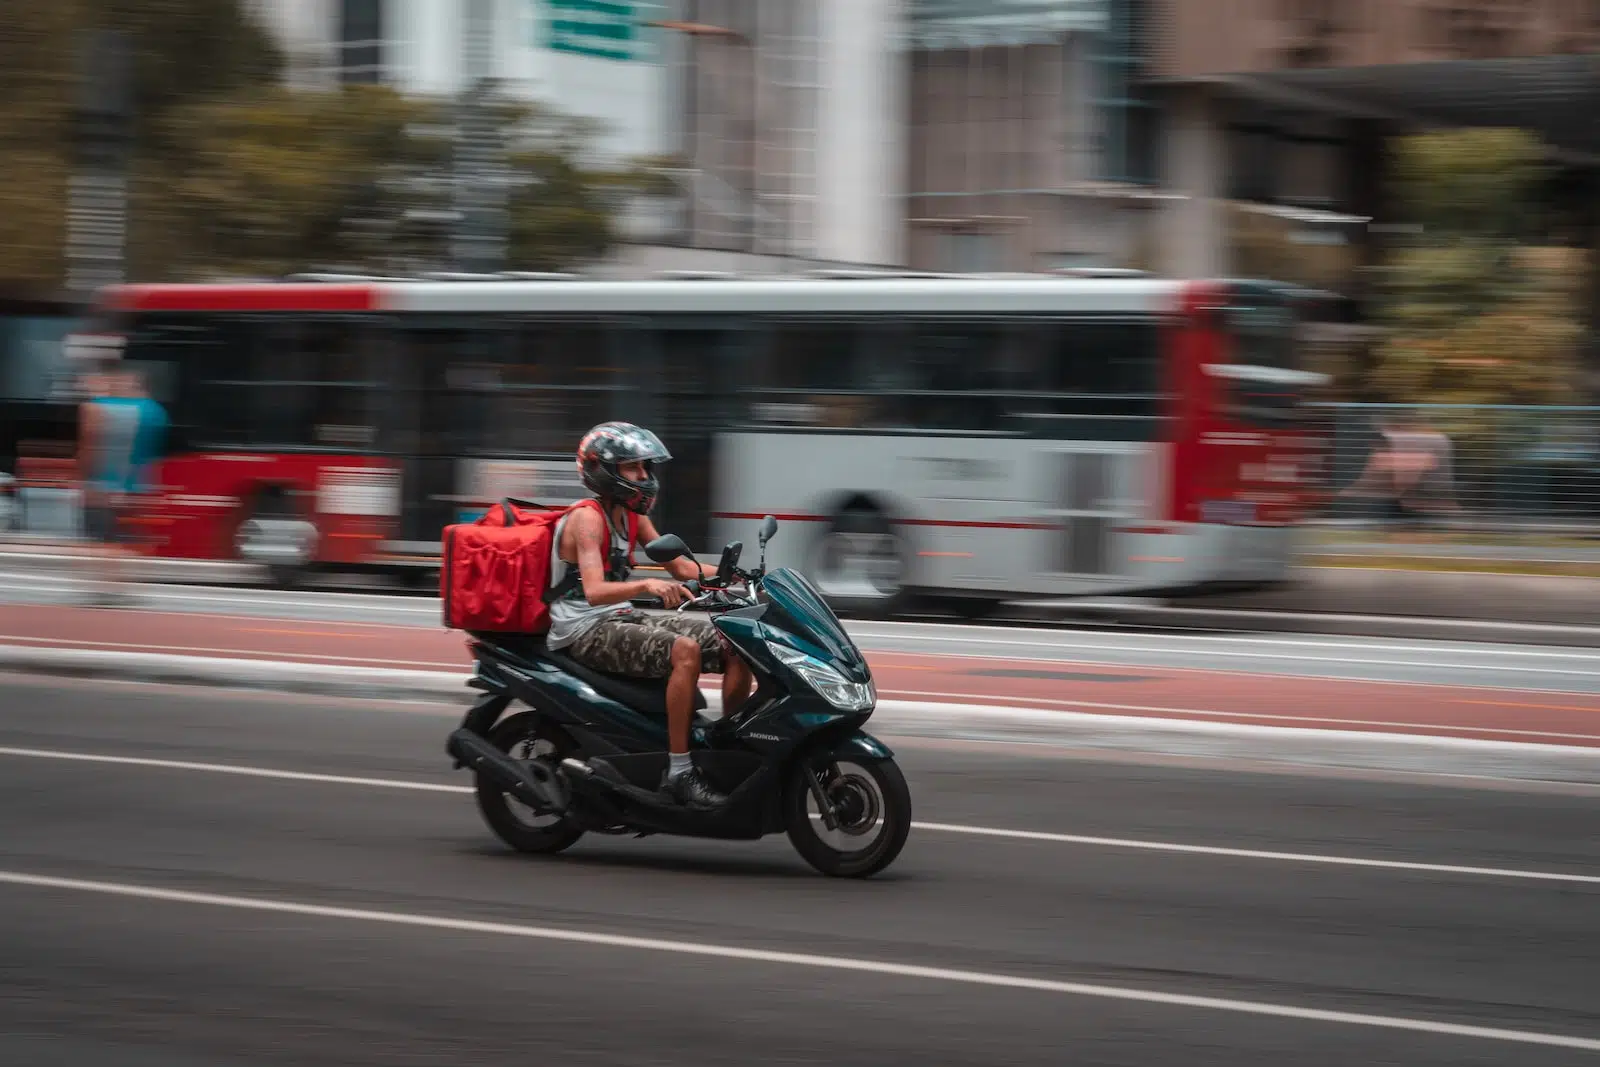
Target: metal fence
[1468,468]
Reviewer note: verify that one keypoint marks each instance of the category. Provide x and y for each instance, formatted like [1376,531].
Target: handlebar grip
[693,587]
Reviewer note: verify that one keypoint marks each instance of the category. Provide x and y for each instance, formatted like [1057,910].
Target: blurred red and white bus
[967,438]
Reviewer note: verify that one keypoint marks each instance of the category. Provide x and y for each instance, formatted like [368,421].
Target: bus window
[1098,378]
[555,382]
[1261,380]
[810,375]
[310,385]
[958,373]
[1104,358]
[178,355]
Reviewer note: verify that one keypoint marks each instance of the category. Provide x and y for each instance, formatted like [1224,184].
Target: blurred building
[790,129]
[600,59]
[1288,102]
[1190,137]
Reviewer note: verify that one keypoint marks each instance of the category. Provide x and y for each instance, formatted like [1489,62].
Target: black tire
[863,863]
[970,608]
[508,735]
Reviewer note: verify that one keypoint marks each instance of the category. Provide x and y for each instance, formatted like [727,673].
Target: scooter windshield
[808,616]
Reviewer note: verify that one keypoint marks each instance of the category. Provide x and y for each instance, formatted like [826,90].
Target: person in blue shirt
[122,430]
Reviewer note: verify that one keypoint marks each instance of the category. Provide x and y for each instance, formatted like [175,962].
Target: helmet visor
[635,444]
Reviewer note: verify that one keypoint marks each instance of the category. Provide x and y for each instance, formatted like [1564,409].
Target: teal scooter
[589,752]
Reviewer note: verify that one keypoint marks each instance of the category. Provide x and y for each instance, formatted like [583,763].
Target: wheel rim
[288,542]
[862,566]
[860,810]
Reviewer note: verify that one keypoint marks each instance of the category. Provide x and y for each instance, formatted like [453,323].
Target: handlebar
[700,594]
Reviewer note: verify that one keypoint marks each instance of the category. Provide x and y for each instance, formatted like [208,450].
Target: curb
[1411,753]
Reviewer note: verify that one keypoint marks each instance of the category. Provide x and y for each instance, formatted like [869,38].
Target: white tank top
[571,618]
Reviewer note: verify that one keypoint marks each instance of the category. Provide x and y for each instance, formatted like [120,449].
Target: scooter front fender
[861,745]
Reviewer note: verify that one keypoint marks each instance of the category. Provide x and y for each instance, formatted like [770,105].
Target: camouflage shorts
[640,646]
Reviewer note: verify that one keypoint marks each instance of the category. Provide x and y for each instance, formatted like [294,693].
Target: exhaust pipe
[532,782]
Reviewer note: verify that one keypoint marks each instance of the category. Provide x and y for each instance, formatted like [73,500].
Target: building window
[1128,115]
[361,42]
[972,253]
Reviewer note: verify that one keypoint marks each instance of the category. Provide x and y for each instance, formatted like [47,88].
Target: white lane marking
[799,959]
[1214,714]
[1393,620]
[156,592]
[1081,638]
[233,768]
[264,655]
[1174,650]
[1257,854]
[933,827]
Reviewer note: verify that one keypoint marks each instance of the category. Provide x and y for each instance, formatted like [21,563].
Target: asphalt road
[134,934]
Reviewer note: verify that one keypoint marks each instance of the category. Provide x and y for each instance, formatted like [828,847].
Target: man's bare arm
[591,536]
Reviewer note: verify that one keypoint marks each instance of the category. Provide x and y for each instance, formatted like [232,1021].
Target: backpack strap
[512,501]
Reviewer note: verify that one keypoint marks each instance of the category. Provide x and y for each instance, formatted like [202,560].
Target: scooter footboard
[725,771]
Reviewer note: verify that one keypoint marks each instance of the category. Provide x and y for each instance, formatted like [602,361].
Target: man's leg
[638,648]
[681,686]
[736,684]
[99,520]
[714,658]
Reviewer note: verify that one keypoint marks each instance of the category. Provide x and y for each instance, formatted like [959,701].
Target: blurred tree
[183,50]
[277,180]
[1477,183]
[1475,313]
[35,95]
[563,216]
[359,178]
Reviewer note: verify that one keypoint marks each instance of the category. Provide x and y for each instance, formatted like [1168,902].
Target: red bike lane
[1069,686]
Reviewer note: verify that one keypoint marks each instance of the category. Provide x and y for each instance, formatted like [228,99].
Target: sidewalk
[1177,711]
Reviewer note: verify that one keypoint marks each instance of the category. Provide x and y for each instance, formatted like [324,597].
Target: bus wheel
[861,567]
[277,538]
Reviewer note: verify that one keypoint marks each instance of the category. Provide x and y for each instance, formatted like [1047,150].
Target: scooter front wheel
[868,818]
[525,737]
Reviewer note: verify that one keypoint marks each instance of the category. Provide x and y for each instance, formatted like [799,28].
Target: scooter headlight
[833,687]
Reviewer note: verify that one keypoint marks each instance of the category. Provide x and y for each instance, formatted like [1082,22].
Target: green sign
[602,29]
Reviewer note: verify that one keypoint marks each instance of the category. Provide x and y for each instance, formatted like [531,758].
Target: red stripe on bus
[246,298]
[761,515]
[982,525]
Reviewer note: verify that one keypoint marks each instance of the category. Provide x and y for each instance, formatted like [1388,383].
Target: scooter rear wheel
[524,736]
[872,806]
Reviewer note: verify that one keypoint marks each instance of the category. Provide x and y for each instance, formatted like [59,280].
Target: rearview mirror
[730,559]
[769,527]
[666,548]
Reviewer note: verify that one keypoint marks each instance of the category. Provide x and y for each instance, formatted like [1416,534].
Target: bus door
[1093,493]
[432,399]
[1098,417]
[683,366]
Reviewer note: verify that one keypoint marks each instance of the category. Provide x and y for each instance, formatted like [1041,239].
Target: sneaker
[690,790]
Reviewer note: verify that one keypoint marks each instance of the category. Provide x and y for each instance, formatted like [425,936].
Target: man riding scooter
[591,617]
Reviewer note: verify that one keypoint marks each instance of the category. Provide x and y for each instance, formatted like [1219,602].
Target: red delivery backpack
[494,574]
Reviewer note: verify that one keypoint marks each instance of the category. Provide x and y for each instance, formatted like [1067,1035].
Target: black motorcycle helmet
[611,444]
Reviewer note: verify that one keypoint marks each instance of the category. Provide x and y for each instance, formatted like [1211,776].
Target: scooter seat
[645,695]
